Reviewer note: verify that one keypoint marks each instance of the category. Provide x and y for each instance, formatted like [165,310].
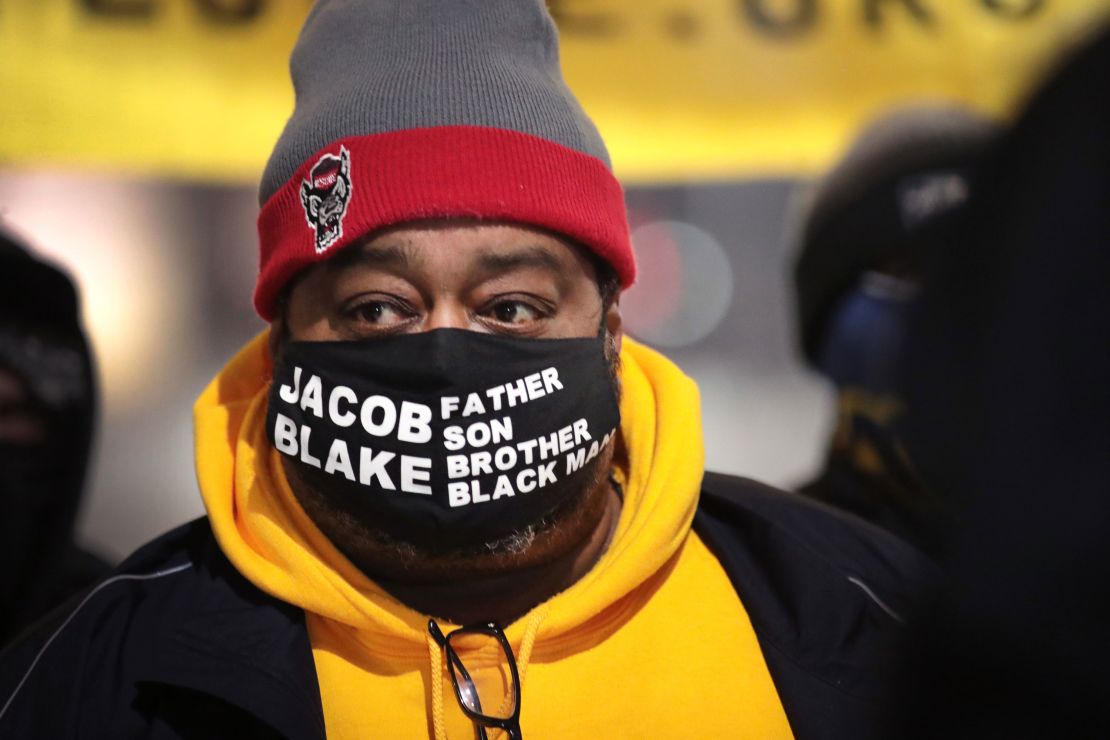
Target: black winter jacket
[178,644]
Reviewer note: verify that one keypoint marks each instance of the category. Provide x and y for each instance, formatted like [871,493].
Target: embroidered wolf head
[325,195]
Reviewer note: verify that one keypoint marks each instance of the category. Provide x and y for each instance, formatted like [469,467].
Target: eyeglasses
[494,699]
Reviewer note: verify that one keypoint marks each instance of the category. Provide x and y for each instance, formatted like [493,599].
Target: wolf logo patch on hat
[325,195]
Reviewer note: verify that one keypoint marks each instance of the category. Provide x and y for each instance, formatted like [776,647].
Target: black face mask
[445,439]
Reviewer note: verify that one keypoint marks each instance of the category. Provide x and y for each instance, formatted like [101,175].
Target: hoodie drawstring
[435,655]
[525,654]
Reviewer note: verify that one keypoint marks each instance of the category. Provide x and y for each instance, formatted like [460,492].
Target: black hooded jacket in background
[42,344]
[1009,377]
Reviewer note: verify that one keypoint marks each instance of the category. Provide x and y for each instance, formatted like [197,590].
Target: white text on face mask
[505,395]
[509,483]
[373,467]
[379,415]
[488,461]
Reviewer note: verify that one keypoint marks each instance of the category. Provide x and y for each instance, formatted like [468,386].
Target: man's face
[495,278]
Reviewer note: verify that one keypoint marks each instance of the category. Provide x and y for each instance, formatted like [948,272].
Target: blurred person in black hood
[890,201]
[47,410]
[1008,374]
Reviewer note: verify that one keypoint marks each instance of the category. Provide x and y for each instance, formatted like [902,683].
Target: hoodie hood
[269,538]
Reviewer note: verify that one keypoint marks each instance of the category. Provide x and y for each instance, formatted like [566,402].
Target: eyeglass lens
[484,677]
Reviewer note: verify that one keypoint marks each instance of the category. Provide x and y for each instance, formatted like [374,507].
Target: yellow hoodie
[652,642]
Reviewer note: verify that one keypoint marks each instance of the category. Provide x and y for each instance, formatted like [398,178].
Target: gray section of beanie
[372,66]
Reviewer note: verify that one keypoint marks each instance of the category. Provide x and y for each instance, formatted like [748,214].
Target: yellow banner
[681,90]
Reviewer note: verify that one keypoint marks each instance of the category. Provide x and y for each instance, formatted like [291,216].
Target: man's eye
[514,312]
[380,313]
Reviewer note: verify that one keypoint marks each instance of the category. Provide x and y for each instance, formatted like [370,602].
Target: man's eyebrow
[490,261]
[394,254]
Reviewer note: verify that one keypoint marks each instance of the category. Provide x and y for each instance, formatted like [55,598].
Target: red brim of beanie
[447,172]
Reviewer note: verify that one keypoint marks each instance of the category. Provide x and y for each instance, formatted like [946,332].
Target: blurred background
[133,132]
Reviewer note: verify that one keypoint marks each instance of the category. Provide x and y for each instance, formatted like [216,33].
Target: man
[1010,362]
[47,409]
[871,224]
[445,426]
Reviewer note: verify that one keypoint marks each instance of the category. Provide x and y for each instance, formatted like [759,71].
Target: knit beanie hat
[41,337]
[417,109]
[892,198]
[32,291]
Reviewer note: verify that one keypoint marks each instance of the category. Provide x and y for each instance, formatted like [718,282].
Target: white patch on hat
[925,197]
